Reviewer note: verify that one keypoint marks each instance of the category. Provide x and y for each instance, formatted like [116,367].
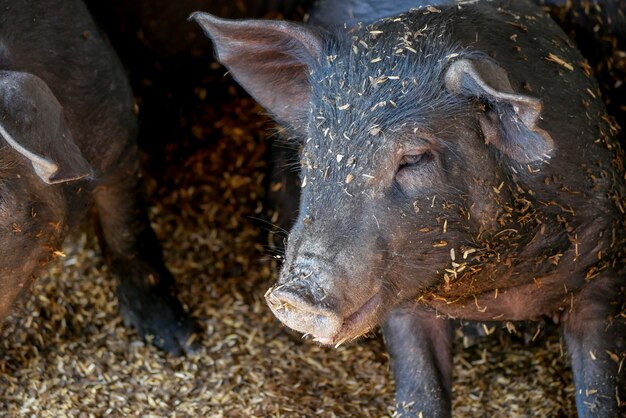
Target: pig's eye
[413,160]
[414,171]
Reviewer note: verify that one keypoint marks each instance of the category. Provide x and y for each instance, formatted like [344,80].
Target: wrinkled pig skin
[456,162]
[67,144]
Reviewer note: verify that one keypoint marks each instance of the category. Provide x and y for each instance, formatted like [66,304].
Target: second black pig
[456,163]
[67,142]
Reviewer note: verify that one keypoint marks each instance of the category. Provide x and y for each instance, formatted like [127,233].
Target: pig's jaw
[357,324]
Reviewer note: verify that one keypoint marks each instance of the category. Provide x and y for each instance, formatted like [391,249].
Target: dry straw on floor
[65,352]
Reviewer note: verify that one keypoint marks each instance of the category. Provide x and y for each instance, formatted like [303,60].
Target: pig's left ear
[510,123]
[32,123]
[270,59]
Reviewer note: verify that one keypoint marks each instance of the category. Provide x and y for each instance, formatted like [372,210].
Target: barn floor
[65,351]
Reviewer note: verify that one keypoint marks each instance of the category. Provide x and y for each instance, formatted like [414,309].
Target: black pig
[67,142]
[456,163]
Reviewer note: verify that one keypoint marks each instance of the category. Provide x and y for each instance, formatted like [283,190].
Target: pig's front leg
[419,344]
[594,330]
[146,289]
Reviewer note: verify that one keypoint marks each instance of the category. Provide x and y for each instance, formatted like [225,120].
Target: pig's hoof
[163,322]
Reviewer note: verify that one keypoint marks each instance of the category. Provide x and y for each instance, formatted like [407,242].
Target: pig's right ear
[270,59]
[32,123]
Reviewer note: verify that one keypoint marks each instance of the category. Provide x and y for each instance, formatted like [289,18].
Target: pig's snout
[309,301]
[304,306]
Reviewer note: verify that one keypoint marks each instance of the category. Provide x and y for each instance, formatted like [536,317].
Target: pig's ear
[32,123]
[270,59]
[510,122]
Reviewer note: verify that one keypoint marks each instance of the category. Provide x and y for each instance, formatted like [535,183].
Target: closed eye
[414,160]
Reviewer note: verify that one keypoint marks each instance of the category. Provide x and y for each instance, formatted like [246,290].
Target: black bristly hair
[377,83]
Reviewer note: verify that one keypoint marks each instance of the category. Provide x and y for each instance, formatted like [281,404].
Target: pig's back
[331,14]
[58,41]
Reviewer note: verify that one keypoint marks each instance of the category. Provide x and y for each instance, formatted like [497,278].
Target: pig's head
[37,152]
[403,138]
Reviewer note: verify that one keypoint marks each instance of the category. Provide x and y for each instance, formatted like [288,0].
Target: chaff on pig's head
[405,136]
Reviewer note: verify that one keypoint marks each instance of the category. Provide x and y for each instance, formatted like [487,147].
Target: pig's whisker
[273,225]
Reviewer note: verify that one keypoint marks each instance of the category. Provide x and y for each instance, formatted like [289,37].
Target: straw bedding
[65,351]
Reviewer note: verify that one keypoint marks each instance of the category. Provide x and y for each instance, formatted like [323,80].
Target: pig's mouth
[356,324]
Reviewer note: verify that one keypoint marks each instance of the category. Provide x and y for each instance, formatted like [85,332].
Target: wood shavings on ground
[65,351]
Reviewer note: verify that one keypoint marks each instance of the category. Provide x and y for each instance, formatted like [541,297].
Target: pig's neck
[532,265]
